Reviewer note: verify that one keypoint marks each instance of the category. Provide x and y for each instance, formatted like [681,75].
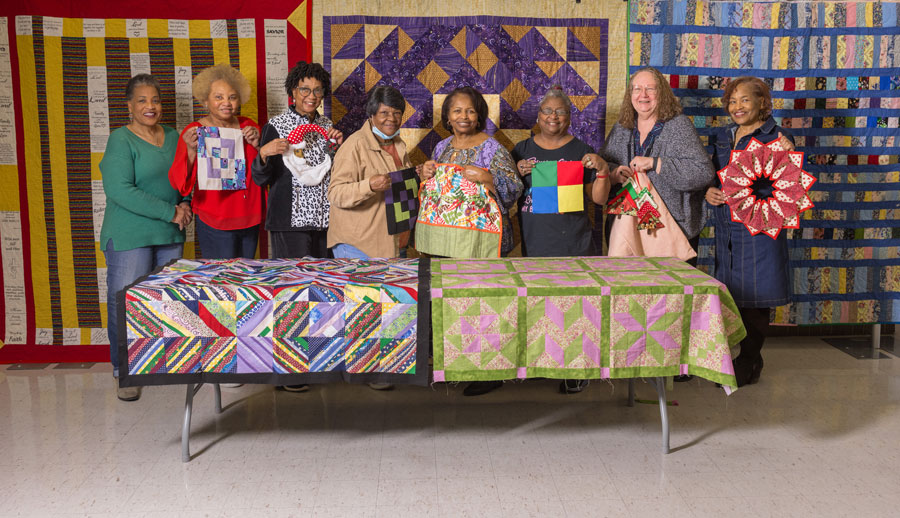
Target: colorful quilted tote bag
[457,217]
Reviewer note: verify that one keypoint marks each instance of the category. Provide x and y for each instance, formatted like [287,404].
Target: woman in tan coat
[359,178]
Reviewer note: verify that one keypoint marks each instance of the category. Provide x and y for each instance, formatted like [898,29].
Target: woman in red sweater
[228,213]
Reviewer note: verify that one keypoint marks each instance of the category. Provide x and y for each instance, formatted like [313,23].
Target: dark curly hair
[481,107]
[301,71]
[759,88]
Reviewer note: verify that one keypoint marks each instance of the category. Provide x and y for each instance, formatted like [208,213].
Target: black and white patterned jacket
[292,206]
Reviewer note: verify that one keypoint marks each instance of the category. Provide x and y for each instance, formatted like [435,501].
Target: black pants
[299,243]
[756,321]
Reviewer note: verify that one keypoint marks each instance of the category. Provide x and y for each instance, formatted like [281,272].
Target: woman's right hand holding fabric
[380,182]
[715,196]
[524,167]
[190,139]
[620,174]
[426,170]
[274,147]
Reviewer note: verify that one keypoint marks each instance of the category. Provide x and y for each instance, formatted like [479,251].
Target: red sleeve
[181,177]
[250,152]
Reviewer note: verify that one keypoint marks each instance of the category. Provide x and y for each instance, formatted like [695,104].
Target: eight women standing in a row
[146,215]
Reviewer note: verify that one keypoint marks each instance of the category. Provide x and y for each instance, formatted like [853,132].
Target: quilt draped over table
[281,321]
[580,318]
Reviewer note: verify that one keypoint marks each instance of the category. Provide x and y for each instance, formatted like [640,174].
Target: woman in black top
[564,234]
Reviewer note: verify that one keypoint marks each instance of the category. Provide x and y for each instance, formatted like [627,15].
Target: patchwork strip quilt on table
[580,318]
[279,321]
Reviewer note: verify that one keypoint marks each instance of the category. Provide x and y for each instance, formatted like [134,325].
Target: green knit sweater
[140,202]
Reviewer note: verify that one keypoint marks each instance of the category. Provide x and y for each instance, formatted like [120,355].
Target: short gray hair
[386,95]
[556,92]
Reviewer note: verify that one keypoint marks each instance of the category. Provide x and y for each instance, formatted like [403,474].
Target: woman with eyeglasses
[566,234]
[654,137]
[297,218]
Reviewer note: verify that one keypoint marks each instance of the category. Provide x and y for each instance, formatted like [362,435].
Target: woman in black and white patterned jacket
[297,216]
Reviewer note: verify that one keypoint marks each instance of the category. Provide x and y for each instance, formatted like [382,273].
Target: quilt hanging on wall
[511,61]
[834,72]
[72,77]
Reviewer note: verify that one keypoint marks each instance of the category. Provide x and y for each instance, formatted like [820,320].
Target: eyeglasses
[651,90]
[304,91]
[560,112]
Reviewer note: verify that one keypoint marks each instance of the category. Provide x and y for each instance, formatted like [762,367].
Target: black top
[553,235]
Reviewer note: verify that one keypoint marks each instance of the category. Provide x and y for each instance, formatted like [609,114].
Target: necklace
[153,138]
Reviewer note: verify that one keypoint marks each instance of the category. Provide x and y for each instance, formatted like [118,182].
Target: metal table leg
[876,341]
[186,427]
[218,393]
[660,384]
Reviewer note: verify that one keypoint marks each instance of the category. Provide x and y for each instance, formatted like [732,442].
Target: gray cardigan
[684,172]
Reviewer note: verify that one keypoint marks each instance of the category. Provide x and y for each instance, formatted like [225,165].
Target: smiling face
[462,116]
[744,105]
[387,119]
[554,124]
[145,106]
[308,95]
[644,94]
[222,103]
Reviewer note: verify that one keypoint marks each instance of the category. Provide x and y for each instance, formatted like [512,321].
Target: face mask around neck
[381,134]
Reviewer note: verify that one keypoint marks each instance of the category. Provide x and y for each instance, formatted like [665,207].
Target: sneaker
[294,388]
[380,386]
[477,388]
[573,386]
[128,393]
[681,378]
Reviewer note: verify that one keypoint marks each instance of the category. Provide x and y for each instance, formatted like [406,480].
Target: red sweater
[223,210]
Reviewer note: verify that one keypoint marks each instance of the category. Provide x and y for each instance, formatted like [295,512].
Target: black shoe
[477,388]
[681,378]
[573,386]
[294,388]
[747,371]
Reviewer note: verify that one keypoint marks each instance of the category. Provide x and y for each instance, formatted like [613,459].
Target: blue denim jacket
[754,268]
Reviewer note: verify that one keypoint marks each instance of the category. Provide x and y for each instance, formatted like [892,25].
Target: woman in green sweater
[143,225]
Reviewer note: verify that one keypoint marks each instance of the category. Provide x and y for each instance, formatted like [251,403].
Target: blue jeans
[345,251]
[123,268]
[226,244]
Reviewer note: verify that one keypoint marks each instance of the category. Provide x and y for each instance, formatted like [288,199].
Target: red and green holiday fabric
[457,217]
[557,187]
[299,157]
[580,318]
[636,200]
[759,166]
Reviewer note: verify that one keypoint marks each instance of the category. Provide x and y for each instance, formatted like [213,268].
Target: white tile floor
[818,436]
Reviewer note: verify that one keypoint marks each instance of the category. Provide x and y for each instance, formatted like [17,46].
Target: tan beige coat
[357,213]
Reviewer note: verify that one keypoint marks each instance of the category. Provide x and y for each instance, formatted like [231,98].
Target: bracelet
[601,176]
[655,163]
